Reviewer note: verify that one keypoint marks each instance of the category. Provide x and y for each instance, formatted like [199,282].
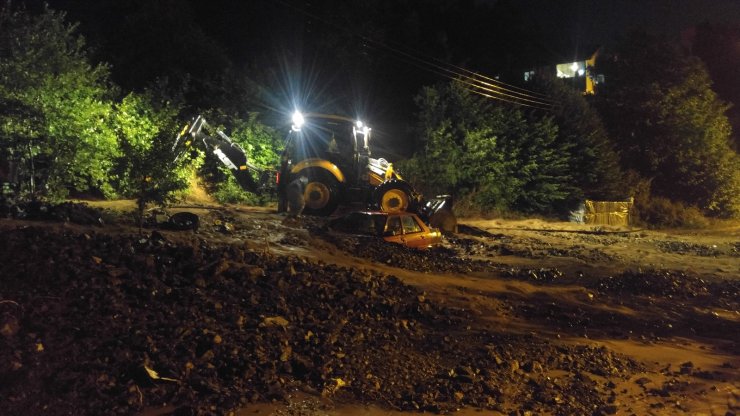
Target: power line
[470,85]
[487,86]
[473,74]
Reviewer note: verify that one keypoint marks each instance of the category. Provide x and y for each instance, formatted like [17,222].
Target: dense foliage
[54,124]
[495,157]
[671,127]
[262,144]
[146,169]
[592,158]
[63,128]
[716,45]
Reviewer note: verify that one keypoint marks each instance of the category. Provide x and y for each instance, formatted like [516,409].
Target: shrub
[662,212]
[228,191]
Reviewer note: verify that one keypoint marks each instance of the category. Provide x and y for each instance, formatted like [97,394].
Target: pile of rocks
[682,247]
[67,212]
[671,284]
[100,324]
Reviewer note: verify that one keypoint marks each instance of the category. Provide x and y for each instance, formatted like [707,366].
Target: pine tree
[593,161]
[495,156]
[669,125]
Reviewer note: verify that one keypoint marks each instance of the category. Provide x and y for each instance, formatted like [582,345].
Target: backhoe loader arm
[228,152]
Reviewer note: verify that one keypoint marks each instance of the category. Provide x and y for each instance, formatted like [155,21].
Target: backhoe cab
[330,156]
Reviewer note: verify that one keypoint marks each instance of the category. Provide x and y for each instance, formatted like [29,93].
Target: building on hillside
[579,72]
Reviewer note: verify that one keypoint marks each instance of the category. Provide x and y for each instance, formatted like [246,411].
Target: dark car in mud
[401,227]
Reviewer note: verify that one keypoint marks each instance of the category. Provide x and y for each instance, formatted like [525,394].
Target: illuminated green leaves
[57,107]
[496,157]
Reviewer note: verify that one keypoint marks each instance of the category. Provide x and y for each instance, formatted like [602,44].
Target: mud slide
[260,314]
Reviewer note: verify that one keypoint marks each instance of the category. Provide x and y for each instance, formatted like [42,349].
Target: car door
[414,232]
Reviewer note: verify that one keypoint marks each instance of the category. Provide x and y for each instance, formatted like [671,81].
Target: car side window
[410,225]
[393,227]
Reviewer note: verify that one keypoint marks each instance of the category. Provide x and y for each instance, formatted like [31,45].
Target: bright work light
[297,121]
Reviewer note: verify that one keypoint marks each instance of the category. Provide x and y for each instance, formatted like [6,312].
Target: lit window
[571,70]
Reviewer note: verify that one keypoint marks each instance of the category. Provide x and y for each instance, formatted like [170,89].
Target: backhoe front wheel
[394,196]
[321,193]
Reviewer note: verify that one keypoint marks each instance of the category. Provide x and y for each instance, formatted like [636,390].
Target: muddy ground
[258,314]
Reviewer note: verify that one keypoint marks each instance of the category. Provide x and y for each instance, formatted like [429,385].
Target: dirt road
[285,318]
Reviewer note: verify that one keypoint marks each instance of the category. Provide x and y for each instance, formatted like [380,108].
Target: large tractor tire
[394,196]
[320,193]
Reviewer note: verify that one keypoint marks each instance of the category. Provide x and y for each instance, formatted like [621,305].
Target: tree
[669,125]
[538,164]
[146,168]
[716,45]
[592,159]
[497,157]
[56,106]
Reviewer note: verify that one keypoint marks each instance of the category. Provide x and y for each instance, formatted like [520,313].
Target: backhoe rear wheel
[321,193]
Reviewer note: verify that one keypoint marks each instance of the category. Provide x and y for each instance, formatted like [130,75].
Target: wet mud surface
[255,308]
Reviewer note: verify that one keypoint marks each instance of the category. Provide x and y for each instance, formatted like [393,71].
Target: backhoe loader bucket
[438,213]
[229,153]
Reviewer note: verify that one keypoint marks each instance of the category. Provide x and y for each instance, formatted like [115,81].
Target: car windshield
[322,140]
[410,225]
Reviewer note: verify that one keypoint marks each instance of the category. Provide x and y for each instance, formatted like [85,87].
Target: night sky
[566,24]
[602,21]
[320,54]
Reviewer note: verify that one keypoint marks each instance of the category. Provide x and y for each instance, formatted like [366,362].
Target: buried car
[400,227]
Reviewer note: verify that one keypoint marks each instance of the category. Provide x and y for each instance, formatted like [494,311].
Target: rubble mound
[98,324]
[682,247]
[74,212]
[671,284]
